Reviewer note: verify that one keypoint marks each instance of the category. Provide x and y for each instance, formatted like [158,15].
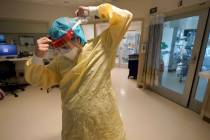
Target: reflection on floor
[35,115]
[171,81]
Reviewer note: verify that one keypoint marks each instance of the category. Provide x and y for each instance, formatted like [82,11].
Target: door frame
[194,104]
[172,95]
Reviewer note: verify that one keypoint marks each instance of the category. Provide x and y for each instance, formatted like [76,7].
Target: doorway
[200,85]
[179,54]
[130,43]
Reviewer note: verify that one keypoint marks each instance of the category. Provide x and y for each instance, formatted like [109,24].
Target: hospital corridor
[105,70]
[146,115]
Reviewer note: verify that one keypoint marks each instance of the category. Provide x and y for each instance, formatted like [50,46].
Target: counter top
[15,59]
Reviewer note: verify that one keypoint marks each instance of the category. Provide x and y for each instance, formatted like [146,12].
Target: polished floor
[36,115]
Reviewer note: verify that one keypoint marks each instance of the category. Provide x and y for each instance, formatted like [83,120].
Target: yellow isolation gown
[89,108]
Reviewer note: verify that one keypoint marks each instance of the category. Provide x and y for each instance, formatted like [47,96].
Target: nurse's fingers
[44,40]
[43,49]
[43,46]
[76,13]
[82,11]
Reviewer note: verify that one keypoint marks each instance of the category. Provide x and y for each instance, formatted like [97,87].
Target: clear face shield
[70,50]
[67,47]
[69,41]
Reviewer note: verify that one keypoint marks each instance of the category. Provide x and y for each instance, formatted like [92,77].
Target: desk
[205,110]
[15,59]
[19,67]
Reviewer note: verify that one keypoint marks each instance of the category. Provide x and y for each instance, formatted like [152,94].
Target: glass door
[180,45]
[200,85]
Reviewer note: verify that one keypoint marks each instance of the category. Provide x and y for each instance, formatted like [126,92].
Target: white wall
[140,9]
[46,13]
[168,5]
[22,26]
[29,11]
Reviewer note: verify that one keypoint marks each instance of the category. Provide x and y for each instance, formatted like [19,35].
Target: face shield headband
[61,41]
[69,35]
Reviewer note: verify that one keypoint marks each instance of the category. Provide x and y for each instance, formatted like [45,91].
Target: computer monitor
[2,37]
[8,50]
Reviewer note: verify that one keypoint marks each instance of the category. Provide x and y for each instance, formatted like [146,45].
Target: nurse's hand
[82,11]
[42,46]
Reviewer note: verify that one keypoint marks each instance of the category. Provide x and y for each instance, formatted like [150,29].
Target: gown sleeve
[42,75]
[119,21]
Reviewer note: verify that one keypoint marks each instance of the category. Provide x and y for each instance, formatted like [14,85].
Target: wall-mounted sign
[153,10]
[180,3]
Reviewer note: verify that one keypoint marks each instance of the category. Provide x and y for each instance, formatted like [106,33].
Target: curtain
[152,65]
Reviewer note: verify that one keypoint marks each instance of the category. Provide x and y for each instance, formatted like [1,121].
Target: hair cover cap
[62,25]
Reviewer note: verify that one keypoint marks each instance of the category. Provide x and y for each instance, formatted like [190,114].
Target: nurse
[83,73]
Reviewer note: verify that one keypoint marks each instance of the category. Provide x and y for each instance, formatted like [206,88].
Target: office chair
[8,79]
